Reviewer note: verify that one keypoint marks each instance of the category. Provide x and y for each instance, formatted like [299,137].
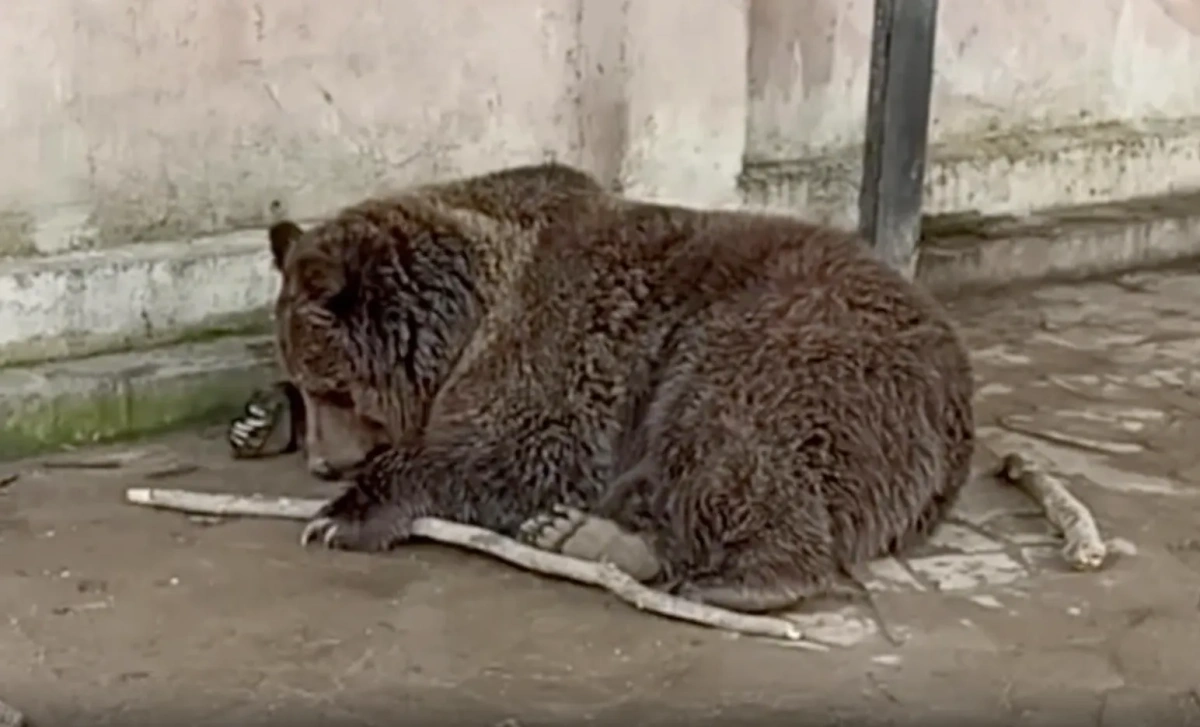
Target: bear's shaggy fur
[756,402]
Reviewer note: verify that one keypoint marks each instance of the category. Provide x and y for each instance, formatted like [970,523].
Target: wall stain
[790,40]
[17,230]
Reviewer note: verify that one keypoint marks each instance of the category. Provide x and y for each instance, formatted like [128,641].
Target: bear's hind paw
[577,534]
[550,530]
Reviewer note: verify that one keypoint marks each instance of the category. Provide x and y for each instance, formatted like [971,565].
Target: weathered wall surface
[145,142]
[1000,66]
[136,120]
[155,119]
[1035,104]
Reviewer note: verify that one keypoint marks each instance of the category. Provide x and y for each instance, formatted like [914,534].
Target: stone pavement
[122,615]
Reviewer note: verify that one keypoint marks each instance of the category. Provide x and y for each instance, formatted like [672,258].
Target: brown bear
[733,406]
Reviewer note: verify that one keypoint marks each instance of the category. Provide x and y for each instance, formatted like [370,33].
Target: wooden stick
[602,575]
[1083,549]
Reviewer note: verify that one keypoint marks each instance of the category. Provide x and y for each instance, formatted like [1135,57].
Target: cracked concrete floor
[123,615]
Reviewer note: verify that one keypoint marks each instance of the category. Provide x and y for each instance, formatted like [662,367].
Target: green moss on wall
[130,408]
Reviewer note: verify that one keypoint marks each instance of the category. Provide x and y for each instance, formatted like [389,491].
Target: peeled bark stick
[602,575]
[219,504]
[1083,549]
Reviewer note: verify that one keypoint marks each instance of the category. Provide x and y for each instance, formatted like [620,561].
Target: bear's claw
[322,528]
[351,522]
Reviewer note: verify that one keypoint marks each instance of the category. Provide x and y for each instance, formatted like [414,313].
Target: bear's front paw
[354,522]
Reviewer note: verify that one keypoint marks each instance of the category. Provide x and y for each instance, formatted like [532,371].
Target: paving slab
[124,615]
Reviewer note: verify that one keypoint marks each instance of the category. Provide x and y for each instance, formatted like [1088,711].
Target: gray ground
[114,613]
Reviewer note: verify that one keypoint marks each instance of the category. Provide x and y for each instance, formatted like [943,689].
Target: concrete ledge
[1012,174]
[82,303]
[108,397]
[971,252]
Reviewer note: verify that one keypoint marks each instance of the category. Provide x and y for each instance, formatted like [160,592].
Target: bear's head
[367,323]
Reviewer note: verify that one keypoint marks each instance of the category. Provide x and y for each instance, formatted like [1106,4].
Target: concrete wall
[1034,103]
[1003,66]
[132,120]
[155,119]
[146,142]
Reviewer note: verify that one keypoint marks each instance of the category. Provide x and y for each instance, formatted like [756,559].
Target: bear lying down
[730,406]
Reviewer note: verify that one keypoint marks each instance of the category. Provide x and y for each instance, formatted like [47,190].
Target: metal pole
[897,129]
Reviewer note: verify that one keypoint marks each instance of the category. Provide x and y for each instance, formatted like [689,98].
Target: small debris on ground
[80,607]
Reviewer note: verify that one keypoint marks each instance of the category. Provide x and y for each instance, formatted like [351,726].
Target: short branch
[602,575]
[1083,549]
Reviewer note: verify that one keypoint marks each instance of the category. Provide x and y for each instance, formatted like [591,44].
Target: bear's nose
[321,469]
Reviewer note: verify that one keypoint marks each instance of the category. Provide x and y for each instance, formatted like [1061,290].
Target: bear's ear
[283,234]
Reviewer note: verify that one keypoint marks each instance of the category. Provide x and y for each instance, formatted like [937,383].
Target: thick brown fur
[757,400]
